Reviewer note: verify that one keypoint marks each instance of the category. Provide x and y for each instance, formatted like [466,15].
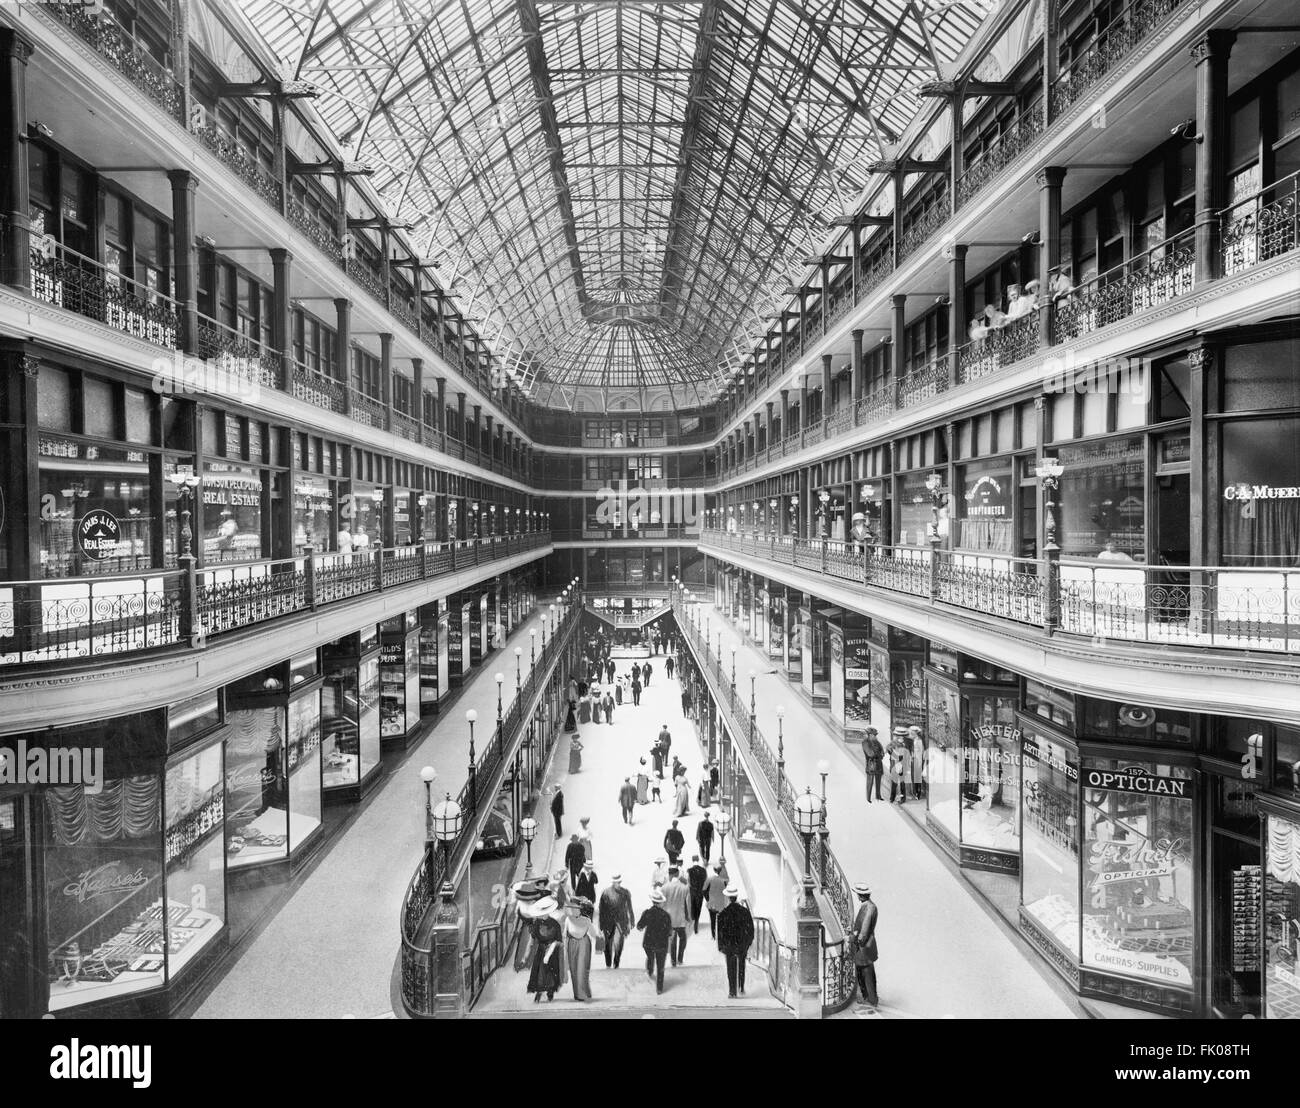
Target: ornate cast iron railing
[317,388]
[1001,346]
[240,162]
[924,383]
[322,237]
[918,232]
[1124,34]
[1260,227]
[364,276]
[237,355]
[1019,136]
[1156,276]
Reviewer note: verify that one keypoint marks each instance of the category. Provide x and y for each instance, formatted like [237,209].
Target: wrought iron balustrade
[1260,227]
[399,310]
[875,405]
[924,383]
[1015,139]
[236,355]
[406,427]
[230,597]
[920,230]
[66,279]
[366,277]
[1125,33]
[240,162]
[999,346]
[321,236]
[1011,588]
[874,275]
[317,388]
[366,409]
[1156,276]
[115,45]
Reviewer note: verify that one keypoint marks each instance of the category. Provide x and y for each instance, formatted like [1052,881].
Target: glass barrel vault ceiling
[620,189]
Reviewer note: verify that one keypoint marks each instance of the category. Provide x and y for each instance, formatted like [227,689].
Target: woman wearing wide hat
[578,942]
[547,973]
[527,894]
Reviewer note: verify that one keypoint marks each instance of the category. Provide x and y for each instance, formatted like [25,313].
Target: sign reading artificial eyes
[98,534]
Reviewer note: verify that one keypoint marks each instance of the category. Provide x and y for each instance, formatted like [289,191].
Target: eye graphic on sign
[1133,715]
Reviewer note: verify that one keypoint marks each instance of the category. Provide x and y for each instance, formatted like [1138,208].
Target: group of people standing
[906,759]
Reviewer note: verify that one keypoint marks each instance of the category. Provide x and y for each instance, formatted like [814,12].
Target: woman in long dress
[584,710]
[683,804]
[547,973]
[595,706]
[642,785]
[575,754]
[578,942]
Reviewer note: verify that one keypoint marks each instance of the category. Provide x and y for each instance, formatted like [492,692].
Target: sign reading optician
[98,534]
[1136,780]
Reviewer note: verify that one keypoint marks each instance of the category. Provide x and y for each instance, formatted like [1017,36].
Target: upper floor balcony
[1233,608]
[74,619]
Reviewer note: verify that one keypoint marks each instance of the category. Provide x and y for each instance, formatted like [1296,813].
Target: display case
[1049,872]
[1281,919]
[753,829]
[433,655]
[399,678]
[350,740]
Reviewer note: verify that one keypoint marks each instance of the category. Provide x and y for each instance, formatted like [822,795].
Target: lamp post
[499,678]
[773,523]
[447,820]
[753,679]
[428,775]
[733,667]
[780,749]
[723,824]
[492,520]
[471,717]
[807,816]
[1048,471]
[528,832]
[187,483]
[543,632]
[532,648]
[519,656]
[823,768]
[794,516]
[934,488]
[823,512]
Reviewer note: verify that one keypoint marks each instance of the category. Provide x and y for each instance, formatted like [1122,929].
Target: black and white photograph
[651,510]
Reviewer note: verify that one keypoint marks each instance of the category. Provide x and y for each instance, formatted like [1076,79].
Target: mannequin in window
[345,540]
[226,533]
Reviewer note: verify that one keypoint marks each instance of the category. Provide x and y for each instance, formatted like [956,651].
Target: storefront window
[1282,919]
[991,787]
[985,522]
[257,813]
[916,512]
[194,802]
[304,759]
[95,513]
[103,890]
[232,513]
[313,513]
[1103,498]
[1050,861]
[1137,870]
[1261,507]
[751,823]
[350,720]
[945,745]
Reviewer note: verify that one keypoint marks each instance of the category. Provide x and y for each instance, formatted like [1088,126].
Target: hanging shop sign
[98,534]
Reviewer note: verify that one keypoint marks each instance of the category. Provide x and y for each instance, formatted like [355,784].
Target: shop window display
[304,767]
[1138,891]
[313,513]
[945,747]
[1282,919]
[194,807]
[232,513]
[990,814]
[257,814]
[1050,831]
[350,721]
[1103,498]
[751,822]
[103,891]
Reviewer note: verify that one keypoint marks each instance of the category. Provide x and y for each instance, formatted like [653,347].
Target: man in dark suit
[704,836]
[575,856]
[557,810]
[609,671]
[658,930]
[735,935]
[636,686]
[586,883]
[864,945]
[665,740]
[615,917]
[627,799]
[646,670]
[697,877]
[674,843]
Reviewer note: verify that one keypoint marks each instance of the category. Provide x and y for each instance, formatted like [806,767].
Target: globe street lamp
[499,678]
[471,717]
[532,648]
[519,655]
[447,819]
[428,775]
[528,832]
[187,483]
[723,824]
[807,818]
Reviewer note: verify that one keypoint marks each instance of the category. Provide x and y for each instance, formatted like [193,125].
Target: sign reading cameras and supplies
[98,534]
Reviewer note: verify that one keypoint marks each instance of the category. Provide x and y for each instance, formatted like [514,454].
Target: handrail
[1234,607]
[475,798]
[65,619]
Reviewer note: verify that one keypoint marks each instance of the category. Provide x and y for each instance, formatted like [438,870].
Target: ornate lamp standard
[428,775]
[528,832]
[532,648]
[823,768]
[808,816]
[499,678]
[187,483]
[1049,471]
[780,748]
[519,657]
[471,717]
[447,819]
[723,824]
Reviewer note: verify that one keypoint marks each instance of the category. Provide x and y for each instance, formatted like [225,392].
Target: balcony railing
[1156,276]
[129,57]
[324,239]
[240,162]
[924,383]
[69,280]
[1244,608]
[364,276]
[319,389]
[237,355]
[406,426]
[1260,227]
[366,409]
[1018,137]
[918,233]
[1128,30]
[66,619]
[1000,346]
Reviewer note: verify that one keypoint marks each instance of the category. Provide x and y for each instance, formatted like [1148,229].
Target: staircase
[631,619]
[627,993]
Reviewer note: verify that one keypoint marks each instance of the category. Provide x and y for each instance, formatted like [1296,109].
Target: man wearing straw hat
[863,945]
[658,930]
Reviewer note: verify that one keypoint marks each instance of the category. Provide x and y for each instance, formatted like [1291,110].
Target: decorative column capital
[17,45]
[31,366]
[1201,357]
[1050,176]
[1211,44]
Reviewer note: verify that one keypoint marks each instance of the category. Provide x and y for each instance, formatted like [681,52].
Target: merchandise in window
[990,815]
[350,721]
[1139,894]
[945,748]
[1282,919]
[1102,499]
[304,765]
[1050,861]
[194,804]
[257,814]
[232,513]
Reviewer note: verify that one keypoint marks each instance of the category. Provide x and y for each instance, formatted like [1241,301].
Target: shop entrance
[1173,547]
